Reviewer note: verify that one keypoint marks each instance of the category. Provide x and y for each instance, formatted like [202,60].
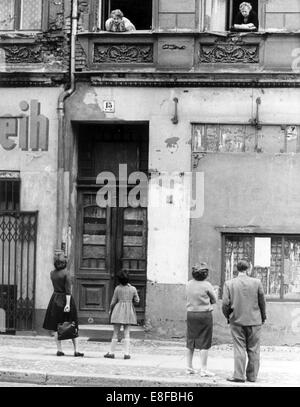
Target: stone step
[103,333]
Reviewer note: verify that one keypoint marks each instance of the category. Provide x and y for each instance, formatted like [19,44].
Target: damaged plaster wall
[38,172]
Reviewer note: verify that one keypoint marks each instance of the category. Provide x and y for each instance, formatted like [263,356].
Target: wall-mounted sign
[109,106]
[28,129]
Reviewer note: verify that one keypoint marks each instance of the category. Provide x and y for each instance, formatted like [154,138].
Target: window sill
[110,33]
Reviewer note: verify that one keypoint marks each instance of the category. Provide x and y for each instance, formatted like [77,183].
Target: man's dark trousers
[246,342]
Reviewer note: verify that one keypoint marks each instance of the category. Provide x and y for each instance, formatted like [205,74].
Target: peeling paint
[172,144]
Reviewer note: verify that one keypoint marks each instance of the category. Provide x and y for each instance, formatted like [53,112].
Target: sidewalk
[154,363]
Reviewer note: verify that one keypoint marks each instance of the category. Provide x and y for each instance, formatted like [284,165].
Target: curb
[35,377]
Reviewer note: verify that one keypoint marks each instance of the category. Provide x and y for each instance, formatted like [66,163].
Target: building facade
[206,118]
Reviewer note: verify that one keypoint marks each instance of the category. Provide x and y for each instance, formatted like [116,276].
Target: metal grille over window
[31,14]
[7,14]
[17,269]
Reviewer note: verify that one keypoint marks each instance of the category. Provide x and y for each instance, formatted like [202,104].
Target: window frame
[17,19]
[261,8]
[103,14]
[253,236]
[15,181]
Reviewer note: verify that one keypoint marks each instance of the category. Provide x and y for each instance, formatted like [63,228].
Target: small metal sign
[109,106]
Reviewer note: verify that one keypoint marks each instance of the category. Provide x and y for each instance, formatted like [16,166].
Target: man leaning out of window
[246,19]
[118,23]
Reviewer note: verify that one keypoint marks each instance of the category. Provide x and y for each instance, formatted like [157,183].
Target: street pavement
[32,359]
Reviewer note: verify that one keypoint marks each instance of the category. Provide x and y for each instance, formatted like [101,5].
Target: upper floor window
[138,12]
[220,15]
[243,16]
[21,15]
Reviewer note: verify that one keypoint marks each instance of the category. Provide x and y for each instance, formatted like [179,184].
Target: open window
[219,15]
[137,11]
[233,11]
[21,15]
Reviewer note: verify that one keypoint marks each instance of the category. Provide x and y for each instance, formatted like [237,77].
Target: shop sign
[28,130]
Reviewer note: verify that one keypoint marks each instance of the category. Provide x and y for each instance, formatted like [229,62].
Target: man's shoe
[251,380]
[59,353]
[78,354]
[127,357]
[233,379]
[109,355]
[206,373]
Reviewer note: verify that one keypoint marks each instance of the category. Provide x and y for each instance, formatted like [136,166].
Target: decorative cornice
[194,84]
[15,54]
[21,79]
[123,53]
[229,52]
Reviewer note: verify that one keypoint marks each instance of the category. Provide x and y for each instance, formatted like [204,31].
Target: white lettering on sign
[108,106]
[27,131]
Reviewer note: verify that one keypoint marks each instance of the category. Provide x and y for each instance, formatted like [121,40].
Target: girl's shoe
[127,357]
[109,355]
[78,354]
[59,353]
[206,373]
[190,370]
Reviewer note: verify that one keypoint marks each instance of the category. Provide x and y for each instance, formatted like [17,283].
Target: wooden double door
[109,240]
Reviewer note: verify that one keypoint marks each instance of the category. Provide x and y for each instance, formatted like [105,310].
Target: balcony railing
[205,52]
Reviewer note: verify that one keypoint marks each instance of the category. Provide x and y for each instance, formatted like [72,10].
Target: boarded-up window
[244,138]
[274,259]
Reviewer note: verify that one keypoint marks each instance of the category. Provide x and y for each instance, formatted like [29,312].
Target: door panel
[93,277]
[109,240]
[132,250]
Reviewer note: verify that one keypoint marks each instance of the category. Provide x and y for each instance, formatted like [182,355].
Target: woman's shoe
[78,354]
[127,357]
[190,370]
[59,353]
[109,355]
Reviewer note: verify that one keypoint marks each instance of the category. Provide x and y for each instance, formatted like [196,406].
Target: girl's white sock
[113,345]
[126,346]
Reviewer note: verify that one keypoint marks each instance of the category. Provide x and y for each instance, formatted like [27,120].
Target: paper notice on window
[262,252]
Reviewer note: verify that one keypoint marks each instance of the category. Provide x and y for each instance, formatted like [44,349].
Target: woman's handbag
[67,330]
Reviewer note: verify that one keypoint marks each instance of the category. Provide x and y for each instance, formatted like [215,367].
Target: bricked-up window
[9,194]
[139,12]
[274,259]
[21,15]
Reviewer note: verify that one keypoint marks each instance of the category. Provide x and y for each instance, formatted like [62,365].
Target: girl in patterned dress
[122,313]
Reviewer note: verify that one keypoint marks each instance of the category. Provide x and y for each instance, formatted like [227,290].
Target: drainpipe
[61,132]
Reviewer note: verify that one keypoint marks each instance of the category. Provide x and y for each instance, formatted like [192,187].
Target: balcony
[188,56]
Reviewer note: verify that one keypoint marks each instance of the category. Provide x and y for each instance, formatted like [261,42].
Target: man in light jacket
[244,307]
